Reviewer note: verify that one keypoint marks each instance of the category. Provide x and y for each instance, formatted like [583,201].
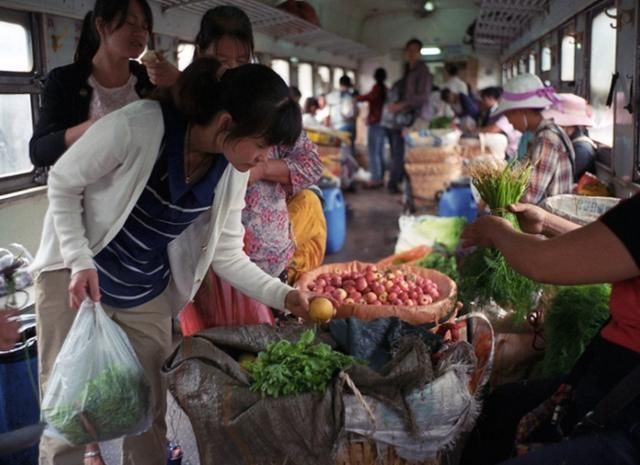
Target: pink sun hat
[571,110]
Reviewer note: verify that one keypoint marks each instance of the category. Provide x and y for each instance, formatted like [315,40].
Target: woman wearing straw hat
[573,115]
[523,100]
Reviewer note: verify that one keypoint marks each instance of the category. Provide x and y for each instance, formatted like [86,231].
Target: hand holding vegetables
[483,231]
[531,218]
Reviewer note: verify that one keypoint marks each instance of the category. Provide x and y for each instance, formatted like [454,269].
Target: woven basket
[356,450]
[425,185]
[427,154]
[448,167]
[439,311]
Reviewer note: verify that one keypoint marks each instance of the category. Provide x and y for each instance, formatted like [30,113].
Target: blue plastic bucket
[457,200]
[335,214]
[19,404]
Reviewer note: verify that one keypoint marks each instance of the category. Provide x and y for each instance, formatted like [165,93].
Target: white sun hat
[525,91]
[571,110]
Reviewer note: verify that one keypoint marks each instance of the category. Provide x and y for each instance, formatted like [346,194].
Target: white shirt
[457,85]
[104,100]
[94,186]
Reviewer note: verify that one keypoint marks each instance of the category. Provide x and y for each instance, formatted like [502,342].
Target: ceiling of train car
[362,28]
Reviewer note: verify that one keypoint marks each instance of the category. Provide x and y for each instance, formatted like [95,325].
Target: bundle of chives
[485,273]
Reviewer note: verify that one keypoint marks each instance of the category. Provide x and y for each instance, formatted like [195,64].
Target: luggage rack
[279,24]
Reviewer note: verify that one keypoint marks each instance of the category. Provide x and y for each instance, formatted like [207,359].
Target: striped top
[134,267]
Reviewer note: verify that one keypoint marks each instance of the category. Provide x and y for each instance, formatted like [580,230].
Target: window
[545,58]
[323,80]
[19,56]
[337,74]
[305,81]
[282,68]
[568,59]
[532,63]
[514,69]
[19,67]
[352,76]
[603,62]
[185,55]
[505,74]
[522,65]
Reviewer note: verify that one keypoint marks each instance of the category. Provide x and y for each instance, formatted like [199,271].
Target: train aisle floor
[372,225]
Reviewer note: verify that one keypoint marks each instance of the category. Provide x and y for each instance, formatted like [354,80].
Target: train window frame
[592,14]
[21,83]
[289,73]
[568,31]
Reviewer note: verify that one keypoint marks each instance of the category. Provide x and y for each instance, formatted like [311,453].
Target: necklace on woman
[193,172]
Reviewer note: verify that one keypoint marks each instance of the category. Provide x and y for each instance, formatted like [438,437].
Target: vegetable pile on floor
[286,368]
[485,274]
[573,318]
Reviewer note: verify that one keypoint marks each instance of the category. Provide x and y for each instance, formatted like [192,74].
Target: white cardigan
[94,186]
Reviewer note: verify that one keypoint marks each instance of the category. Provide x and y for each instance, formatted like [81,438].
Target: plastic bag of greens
[97,389]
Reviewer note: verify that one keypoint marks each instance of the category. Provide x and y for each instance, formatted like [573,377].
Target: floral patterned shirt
[268,238]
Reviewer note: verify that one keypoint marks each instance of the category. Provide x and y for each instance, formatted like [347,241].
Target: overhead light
[430,51]
[429,6]
[294,60]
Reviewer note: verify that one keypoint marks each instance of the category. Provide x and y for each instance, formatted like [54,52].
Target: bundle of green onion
[501,185]
[485,275]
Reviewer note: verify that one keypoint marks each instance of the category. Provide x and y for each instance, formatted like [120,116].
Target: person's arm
[233,265]
[9,329]
[161,72]
[297,168]
[533,219]
[52,134]
[544,157]
[591,254]
[86,161]
[372,96]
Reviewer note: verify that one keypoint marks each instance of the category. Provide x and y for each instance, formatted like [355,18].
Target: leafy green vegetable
[574,317]
[444,230]
[441,260]
[112,405]
[485,275]
[286,368]
[440,122]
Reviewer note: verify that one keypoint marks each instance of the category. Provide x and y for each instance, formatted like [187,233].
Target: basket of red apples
[362,290]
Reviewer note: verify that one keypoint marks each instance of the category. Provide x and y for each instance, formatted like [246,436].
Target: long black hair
[110,11]
[224,20]
[380,75]
[254,95]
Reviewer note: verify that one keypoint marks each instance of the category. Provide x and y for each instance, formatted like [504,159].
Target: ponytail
[89,41]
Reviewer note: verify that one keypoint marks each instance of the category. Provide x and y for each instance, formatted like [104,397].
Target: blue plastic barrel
[457,200]
[335,214]
[19,405]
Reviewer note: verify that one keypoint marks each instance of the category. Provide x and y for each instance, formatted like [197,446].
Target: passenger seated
[574,115]
[551,152]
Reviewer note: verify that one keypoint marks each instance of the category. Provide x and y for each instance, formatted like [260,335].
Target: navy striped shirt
[134,267]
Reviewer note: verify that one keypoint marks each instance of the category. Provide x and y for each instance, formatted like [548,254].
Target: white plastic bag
[97,390]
